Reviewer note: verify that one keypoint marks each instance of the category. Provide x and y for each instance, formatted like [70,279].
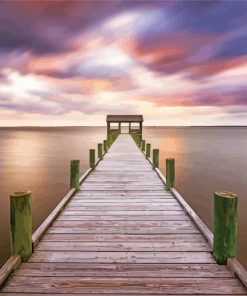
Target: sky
[74,62]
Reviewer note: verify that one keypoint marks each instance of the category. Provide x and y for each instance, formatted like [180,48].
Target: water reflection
[38,160]
[208,159]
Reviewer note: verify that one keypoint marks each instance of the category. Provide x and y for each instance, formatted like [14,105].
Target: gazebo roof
[124,118]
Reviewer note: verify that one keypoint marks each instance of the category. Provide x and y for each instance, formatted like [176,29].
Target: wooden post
[92,158]
[74,174]
[100,151]
[109,141]
[105,145]
[141,130]
[155,158]
[143,145]
[148,150]
[225,226]
[139,141]
[129,127]
[170,173]
[119,127]
[21,224]
[108,129]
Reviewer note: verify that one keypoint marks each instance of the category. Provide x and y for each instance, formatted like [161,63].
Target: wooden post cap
[225,194]
[20,194]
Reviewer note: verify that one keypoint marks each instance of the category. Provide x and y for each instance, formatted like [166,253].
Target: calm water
[207,159]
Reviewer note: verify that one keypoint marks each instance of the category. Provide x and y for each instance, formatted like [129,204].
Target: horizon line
[61,126]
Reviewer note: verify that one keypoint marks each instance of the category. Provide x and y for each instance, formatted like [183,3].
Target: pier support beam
[108,129]
[225,226]
[148,150]
[141,130]
[75,174]
[170,173]
[155,158]
[105,146]
[92,158]
[100,151]
[143,145]
[21,224]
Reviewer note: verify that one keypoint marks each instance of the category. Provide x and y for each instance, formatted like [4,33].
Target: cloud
[48,26]
[58,58]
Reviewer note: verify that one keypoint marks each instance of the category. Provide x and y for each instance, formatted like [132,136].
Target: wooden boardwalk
[123,234]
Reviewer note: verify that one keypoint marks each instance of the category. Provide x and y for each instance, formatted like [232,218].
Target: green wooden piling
[21,224]
[155,158]
[110,140]
[148,150]
[139,141]
[143,145]
[105,145]
[170,173]
[100,151]
[74,174]
[92,158]
[225,226]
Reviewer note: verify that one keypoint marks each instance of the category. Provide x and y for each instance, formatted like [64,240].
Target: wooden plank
[200,224]
[137,246]
[129,208]
[48,221]
[122,201]
[238,270]
[115,294]
[125,230]
[83,217]
[124,237]
[146,213]
[122,257]
[85,175]
[12,263]
[126,192]
[123,270]
[96,294]
[186,286]
[127,223]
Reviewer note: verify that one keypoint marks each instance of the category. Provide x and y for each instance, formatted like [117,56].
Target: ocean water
[207,159]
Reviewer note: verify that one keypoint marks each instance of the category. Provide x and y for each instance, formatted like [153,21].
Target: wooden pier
[122,233]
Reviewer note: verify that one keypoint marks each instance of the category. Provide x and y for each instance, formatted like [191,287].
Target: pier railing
[224,240]
[22,240]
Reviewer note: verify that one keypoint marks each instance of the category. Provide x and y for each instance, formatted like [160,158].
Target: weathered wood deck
[123,234]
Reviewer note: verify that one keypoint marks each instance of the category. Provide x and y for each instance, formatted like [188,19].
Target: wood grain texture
[173,286]
[9,267]
[123,234]
[123,270]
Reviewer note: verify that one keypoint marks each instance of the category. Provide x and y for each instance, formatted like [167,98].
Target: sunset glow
[73,62]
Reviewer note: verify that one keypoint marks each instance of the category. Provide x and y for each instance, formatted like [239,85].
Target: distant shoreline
[102,126]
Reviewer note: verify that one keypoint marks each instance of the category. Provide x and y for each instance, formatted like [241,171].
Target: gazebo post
[141,130]
[108,129]
[128,119]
